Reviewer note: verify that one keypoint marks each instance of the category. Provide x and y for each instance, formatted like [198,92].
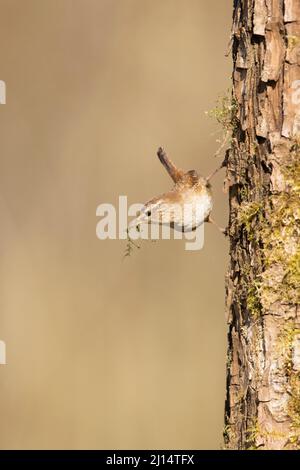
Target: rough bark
[262,408]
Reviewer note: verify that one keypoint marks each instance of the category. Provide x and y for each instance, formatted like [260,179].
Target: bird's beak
[135,224]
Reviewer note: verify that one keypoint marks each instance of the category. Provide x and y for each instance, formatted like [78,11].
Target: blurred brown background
[103,353]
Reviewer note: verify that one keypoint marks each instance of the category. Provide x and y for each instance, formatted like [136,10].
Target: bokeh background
[104,353]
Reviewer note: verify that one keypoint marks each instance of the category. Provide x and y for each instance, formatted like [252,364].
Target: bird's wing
[175,173]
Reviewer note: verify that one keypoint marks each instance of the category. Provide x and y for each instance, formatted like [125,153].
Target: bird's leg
[222,230]
[224,163]
[213,173]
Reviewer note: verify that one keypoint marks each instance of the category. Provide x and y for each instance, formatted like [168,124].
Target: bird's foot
[222,230]
[223,164]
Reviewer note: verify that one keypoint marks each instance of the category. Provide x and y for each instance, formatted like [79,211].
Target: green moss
[292,169]
[280,237]
[253,432]
[293,41]
[291,277]
[286,344]
[253,300]
[244,193]
[246,215]
[228,434]
[294,410]
[225,111]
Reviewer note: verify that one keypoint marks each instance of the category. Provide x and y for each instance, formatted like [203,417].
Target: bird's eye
[148,213]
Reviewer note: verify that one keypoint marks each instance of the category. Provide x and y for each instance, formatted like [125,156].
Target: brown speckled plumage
[190,190]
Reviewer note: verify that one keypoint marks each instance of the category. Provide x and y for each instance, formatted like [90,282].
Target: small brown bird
[190,191]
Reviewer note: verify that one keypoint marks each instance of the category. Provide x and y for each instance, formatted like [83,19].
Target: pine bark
[262,409]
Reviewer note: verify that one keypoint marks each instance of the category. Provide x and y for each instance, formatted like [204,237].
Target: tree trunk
[263,171]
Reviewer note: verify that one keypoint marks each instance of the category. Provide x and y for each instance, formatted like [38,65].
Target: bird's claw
[225,231]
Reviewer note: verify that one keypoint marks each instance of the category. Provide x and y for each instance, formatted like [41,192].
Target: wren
[190,190]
